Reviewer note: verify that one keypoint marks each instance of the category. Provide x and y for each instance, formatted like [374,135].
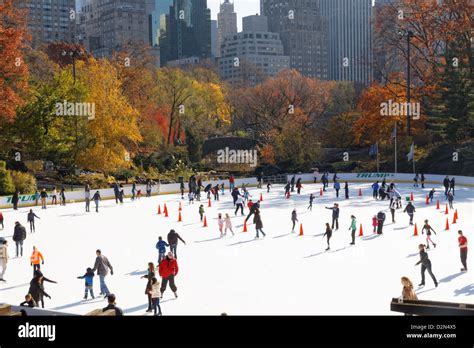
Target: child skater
[228,225]
[374,223]
[268,187]
[328,235]
[88,277]
[220,222]
[311,199]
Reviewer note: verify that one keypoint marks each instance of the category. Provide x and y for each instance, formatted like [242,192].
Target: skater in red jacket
[463,248]
[168,269]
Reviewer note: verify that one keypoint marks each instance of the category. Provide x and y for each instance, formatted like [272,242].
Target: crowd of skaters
[167,267]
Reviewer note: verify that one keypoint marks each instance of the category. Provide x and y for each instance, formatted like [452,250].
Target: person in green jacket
[353,228]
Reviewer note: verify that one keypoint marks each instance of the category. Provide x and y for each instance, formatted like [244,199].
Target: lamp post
[409,35]
[73,54]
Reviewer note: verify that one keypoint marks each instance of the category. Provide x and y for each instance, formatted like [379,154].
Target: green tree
[6,182]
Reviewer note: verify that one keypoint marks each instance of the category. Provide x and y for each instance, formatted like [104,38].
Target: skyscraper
[226,22]
[109,25]
[215,50]
[49,21]
[162,8]
[350,39]
[253,54]
[304,34]
[187,32]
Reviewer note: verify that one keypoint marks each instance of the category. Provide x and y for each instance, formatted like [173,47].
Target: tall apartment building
[186,32]
[215,50]
[253,54]
[162,8]
[304,34]
[350,39]
[49,21]
[226,22]
[108,25]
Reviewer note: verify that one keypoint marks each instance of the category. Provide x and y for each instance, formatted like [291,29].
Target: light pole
[409,35]
[73,54]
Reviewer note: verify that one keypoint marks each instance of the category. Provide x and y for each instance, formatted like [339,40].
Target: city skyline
[243,8]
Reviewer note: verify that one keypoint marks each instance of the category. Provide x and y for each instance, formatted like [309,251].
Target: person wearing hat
[19,235]
[168,269]
[112,305]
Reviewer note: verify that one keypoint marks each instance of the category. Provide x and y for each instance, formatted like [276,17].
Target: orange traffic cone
[301,229]
[209,203]
[205,222]
[261,197]
[415,233]
[180,209]
[427,200]
[321,192]
[437,204]
[411,196]
[159,209]
[179,217]
[447,225]
[454,218]
[360,192]
[446,211]
[166,211]
[456,214]
[245,226]
[361,232]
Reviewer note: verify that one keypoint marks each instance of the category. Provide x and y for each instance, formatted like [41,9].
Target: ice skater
[89,283]
[31,219]
[462,240]
[415,180]
[19,236]
[96,198]
[425,265]
[337,187]
[450,200]
[375,189]
[335,215]
[353,228]
[173,239]
[431,194]
[87,197]
[44,196]
[392,210]
[294,218]
[201,212]
[452,183]
[155,296]
[428,229]
[422,180]
[374,223]
[168,270]
[410,210]
[228,225]
[380,221]
[446,183]
[1,220]
[311,199]
[257,220]
[36,259]
[161,247]
[149,276]
[239,205]
[299,186]
[346,190]
[328,235]
[269,185]
[102,266]
[220,223]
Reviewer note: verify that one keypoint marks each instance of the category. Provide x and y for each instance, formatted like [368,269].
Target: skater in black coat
[335,215]
[410,209]
[173,238]
[380,221]
[293,181]
[328,235]
[15,199]
[428,229]
[425,265]
[37,287]
[19,235]
[346,190]
[287,189]
[446,186]
[452,183]
[31,219]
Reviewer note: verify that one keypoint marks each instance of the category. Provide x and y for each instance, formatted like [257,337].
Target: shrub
[6,183]
[23,182]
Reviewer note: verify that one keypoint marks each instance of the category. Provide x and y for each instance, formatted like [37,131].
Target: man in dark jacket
[15,200]
[173,242]
[410,209]
[335,215]
[425,265]
[380,221]
[252,209]
[446,186]
[19,235]
[102,266]
[116,192]
[31,219]
[168,269]
[112,305]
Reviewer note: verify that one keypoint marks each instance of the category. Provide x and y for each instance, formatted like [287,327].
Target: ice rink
[283,273]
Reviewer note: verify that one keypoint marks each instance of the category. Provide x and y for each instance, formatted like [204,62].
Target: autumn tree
[13,71]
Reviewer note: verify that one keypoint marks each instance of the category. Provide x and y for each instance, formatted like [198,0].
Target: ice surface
[281,274]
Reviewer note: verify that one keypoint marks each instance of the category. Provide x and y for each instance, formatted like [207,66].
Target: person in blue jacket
[337,187]
[375,189]
[161,246]
[89,282]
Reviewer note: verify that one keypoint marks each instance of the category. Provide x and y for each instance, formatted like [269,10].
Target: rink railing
[164,189]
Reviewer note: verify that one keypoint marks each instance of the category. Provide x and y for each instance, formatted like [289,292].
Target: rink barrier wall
[307,178]
[107,194]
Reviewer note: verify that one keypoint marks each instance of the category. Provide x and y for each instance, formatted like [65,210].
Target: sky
[242,7]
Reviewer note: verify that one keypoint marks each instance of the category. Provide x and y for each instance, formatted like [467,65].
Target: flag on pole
[411,154]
